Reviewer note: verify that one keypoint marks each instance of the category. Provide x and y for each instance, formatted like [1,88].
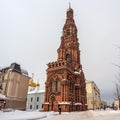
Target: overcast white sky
[30,32]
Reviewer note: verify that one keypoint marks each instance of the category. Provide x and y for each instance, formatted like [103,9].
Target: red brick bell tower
[65,84]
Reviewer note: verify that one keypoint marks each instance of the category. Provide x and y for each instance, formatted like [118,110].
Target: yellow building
[93,96]
[14,83]
[116,104]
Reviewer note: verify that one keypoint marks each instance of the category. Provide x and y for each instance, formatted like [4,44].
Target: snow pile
[87,114]
[22,115]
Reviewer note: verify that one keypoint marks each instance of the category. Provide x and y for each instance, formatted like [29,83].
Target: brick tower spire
[69,47]
[65,84]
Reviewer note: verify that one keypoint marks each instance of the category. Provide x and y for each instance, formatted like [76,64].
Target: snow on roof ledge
[47,103]
[64,103]
[2,96]
[78,103]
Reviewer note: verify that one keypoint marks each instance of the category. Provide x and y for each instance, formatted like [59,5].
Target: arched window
[71,87]
[68,57]
[58,86]
[53,86]
[67,32]
[70,83]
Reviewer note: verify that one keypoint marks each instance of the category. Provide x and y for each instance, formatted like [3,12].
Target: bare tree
[117,90]
[117,93]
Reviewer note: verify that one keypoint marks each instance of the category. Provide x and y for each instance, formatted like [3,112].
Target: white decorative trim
[67,103]
[46,103]
[77,84]
[78,103]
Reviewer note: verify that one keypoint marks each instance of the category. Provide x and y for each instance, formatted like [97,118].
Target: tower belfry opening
[65,84]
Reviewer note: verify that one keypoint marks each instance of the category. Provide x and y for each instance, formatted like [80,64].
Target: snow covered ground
[86,115]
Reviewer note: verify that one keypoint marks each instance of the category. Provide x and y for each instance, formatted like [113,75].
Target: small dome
[32,84]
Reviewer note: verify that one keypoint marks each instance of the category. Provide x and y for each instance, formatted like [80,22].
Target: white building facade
[35,99]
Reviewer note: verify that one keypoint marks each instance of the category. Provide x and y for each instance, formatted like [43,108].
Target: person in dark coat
[59,109]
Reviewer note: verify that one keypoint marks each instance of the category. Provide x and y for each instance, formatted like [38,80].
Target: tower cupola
[69,13]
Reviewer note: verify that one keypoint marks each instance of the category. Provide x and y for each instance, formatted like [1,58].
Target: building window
[71,87]
[30,106]
[1,87]
[58,86]
[67,32]
[36,106]
[2,78]
[31,99]
[53,86]
[37,99]
[68,58]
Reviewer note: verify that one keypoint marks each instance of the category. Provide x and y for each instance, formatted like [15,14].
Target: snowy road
[86,115]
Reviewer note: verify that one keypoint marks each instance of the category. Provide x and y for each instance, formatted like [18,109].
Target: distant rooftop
[14,67]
